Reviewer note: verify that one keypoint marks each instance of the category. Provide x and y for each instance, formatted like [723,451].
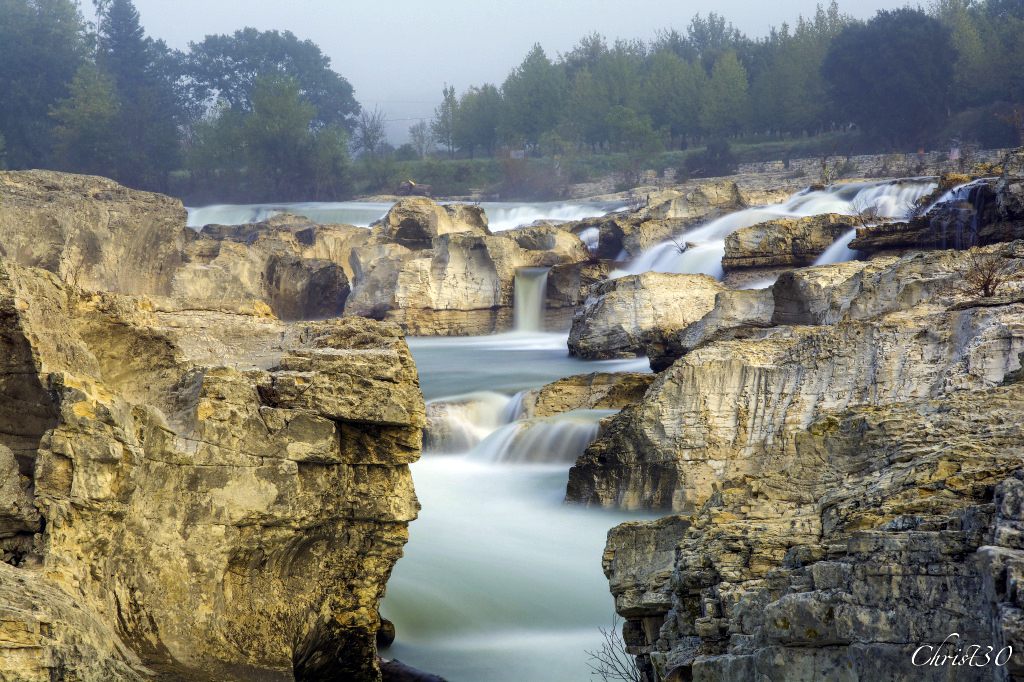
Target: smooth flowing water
[501,215]
[501,581]
[700,250]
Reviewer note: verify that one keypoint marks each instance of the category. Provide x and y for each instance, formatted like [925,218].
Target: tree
[533,95]
[87,139]
[476,119]
[421,139]
[224,67]
[893,75]
[370,132]
[443,125]
[673,90]
[146,104]
[724,109]
[42,45]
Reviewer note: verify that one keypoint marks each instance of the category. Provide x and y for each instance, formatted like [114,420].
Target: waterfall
[590,236]
[560,439]
[886,199]
[456,424]
[840,251]
[501,215]
[530,292]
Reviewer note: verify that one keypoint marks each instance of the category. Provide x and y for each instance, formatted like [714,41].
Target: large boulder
[221,496]
[718,195]
[618,314]
[598,390]
[414,222]
[91,231]
[785,242]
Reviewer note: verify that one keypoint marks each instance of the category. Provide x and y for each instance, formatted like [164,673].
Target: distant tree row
[261,115]
[904,79]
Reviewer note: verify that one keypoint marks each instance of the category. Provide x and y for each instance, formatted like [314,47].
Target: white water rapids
[502,215]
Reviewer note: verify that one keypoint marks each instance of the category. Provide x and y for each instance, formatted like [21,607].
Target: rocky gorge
[207,434]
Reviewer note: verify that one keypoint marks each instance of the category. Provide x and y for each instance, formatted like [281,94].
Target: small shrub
[984,273]
[613,661]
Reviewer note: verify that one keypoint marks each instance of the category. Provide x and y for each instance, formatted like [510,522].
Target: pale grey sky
[398,54]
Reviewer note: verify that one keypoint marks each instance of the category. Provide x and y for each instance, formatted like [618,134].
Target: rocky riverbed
[205,435]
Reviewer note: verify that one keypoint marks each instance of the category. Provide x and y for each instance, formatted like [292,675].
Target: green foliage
[892,75]
[533,96]
[227,68]
[87,139]
[477,118]
[715,160]
[43,43]
[273,152]
[725,105]
[443,126]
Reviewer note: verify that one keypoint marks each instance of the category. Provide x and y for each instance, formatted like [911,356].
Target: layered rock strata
[435,271]
[873,335]
[619,314]
[218,496]
[785,242]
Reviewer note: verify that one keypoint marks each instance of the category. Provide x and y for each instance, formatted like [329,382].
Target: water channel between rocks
[500,579]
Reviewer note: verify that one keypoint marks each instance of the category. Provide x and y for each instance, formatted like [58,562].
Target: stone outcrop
[91,231]
[217,496]
[888,530]
[298,268]
[983,212]
[598,390]
[785,242]
[718,195]
[736,315]
[618,314]
[449,279]
[718,412]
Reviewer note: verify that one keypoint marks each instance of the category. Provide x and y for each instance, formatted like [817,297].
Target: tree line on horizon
[261,115]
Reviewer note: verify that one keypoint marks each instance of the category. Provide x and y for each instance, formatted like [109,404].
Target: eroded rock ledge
[219,496]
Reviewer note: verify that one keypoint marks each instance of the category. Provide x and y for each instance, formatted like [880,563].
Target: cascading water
[501,215]
[558,439]
[463,421]
[501,581]
[885,199]
[529,299]
[840,251]
[590,236]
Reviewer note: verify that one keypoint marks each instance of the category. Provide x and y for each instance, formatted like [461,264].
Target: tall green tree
[443,125]
[673,90]
[477,118]
[146,124]
[421,139]
[892,75]
[534,94]
[226,67]
[43,43]
[87,139]
[725,106]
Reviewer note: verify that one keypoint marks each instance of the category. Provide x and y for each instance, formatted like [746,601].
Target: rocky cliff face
[200,494]
[845,467]
[439,271]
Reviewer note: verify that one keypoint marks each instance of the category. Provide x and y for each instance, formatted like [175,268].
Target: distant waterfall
[892,199]
[530,292]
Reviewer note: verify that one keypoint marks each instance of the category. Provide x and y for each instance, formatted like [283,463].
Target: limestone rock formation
[717,195]
[298,268]
[785,242]
[886,531]
[219,496]
[617,314]
[92,231]
[720,412]
[736,315]
[597,390]
[450,278]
